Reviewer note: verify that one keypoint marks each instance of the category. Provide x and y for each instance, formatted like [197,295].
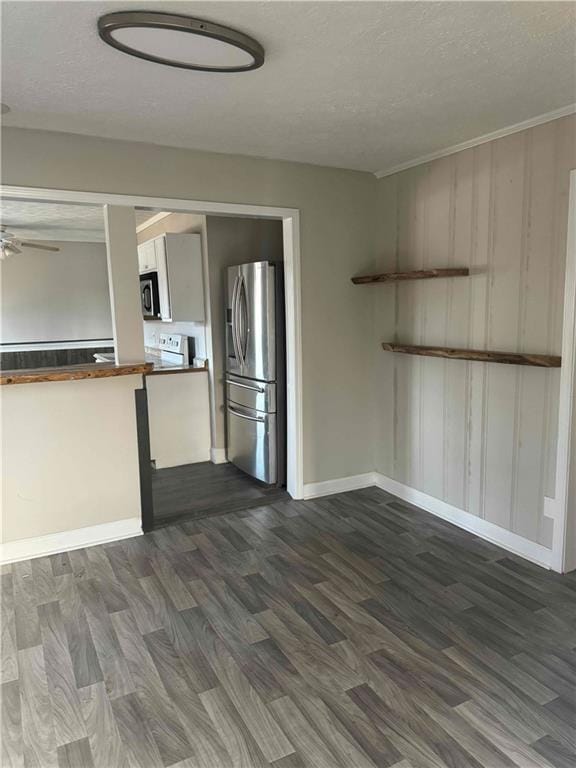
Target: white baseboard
[553,509]
[166,462]
[536,553]
[476,525]
[53,543]
[338,485]
[218,456]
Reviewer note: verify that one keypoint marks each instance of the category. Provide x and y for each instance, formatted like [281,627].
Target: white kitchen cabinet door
[147,256]
[179,418]
[177,260]
[185,277]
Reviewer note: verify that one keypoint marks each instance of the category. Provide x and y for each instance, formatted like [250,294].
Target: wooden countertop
[159,364]
[73,372]
[162,370]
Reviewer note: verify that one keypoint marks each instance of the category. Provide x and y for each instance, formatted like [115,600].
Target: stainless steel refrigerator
[255,371]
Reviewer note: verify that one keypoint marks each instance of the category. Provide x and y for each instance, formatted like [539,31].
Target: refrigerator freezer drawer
[252,442]
[257,395]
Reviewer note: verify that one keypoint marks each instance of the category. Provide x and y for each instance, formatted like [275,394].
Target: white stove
[172,348]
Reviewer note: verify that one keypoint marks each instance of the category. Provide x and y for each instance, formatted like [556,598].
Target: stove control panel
[172,342]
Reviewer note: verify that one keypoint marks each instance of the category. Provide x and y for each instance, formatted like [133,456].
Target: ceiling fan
[11,245]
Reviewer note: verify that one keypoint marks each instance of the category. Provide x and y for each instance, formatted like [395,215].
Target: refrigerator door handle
[242,320]
[234,309]
[237,329]
[244,416]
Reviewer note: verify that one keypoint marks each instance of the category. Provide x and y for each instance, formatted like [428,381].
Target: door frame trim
[562,508]
[290,218]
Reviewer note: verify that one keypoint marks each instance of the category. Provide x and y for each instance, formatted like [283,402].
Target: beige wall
[56,296]
[338,218]
[481,437]
[69,455]
[232,241]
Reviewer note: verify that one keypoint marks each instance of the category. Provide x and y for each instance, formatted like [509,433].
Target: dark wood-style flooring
[352,631]
[203,489]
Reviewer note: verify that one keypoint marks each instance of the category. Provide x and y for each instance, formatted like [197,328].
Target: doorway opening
[289,220]
[212,291]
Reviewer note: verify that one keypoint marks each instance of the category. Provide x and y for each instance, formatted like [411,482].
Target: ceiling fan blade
[39,246]
[8,249]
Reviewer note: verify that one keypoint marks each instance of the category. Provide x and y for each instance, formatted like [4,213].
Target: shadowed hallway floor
[199,490]
[351,631]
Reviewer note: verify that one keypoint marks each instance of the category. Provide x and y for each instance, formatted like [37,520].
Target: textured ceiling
[57,221]
[365,85]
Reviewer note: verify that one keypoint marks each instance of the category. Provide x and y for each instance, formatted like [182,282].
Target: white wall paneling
[480,437]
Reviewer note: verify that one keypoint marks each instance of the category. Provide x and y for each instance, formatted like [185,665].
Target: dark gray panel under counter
[49,358]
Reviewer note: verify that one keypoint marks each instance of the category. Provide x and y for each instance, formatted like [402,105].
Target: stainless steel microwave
[149,296]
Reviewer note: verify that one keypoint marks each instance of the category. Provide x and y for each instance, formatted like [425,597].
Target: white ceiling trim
[63,236]
[173,204]
[499,134]
[152,220]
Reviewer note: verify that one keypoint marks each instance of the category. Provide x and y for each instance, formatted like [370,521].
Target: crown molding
[530,123]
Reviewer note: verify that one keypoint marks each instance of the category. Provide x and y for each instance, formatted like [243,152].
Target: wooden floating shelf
[480,355]
[419,274]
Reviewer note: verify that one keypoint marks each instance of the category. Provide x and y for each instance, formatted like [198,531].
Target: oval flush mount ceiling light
[180,41]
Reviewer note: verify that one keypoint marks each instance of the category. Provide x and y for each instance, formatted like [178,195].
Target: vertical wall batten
[515,486]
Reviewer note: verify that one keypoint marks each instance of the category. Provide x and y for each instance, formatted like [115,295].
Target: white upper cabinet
[147,256]
[178,262]
[185,277]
